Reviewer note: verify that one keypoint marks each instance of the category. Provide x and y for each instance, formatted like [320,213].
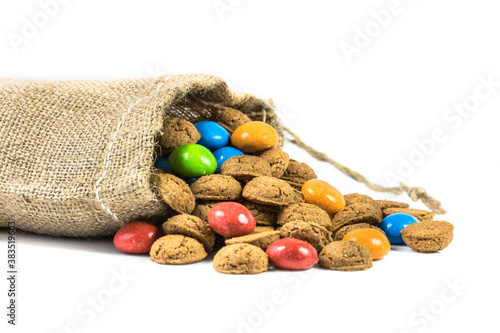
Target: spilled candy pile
[226,182]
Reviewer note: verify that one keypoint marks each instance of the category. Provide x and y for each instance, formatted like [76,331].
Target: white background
[367,113]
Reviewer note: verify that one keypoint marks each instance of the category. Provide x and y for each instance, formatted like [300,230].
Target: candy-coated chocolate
[254,137]
[292,253]
[136,237]
[394,223]
[231,219]
[162,163]
[374,240]
[190,180]
[224,153]
[213,135]
[192,160]
[322,194]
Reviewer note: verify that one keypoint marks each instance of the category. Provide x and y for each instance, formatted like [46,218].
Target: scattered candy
[223,154]
[374,240]
[393,224]
[322,194]
[231,219]
[192,160]
[213,135]
[281,207]
[254,137]
[136,237]
[292,253]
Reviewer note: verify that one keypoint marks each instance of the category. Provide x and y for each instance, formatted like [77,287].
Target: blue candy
[213,135]
[162,163]
[393,224]
[222,154]
[190,180]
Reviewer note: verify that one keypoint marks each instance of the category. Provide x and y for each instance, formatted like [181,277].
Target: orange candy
[325,196]
[254,137]
[374,240]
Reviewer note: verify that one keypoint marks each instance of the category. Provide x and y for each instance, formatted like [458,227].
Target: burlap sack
[76,156]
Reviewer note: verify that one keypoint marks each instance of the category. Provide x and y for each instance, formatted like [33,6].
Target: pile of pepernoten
[228,188]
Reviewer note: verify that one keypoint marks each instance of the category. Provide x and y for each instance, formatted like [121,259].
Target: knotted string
[415,193]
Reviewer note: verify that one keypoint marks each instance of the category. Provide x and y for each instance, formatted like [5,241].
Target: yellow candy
[322,194]
[254,137]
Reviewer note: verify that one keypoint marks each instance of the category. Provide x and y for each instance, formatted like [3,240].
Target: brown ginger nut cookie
[354,198]
[304,212]
[298,196]
[245,167]
[339,235]
[202,208]
[420,214]
[191,226]
[356,213]
[262,228]
[269,191]
[428,236]
[310,232]
[216,187]
[277,159]
[297,173]
[345,256]
[159,171]
[177,132]
[175,192]
[383,204]
[230,118]
[241,258]
[177,250]
[262,239]
[264,215]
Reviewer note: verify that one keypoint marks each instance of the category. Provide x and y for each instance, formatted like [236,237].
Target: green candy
[192,160]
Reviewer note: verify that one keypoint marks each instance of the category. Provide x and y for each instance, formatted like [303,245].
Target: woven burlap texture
[76,156]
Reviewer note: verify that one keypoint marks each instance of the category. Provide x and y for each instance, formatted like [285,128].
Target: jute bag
[76,156]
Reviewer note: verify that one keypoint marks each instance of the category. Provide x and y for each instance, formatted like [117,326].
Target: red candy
[136,237]
[292,253]
[231,219]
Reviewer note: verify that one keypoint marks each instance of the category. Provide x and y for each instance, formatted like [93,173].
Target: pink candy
[136,237]
[231,219]
[291,253]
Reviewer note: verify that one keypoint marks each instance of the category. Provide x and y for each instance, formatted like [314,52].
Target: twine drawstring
[415,193]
